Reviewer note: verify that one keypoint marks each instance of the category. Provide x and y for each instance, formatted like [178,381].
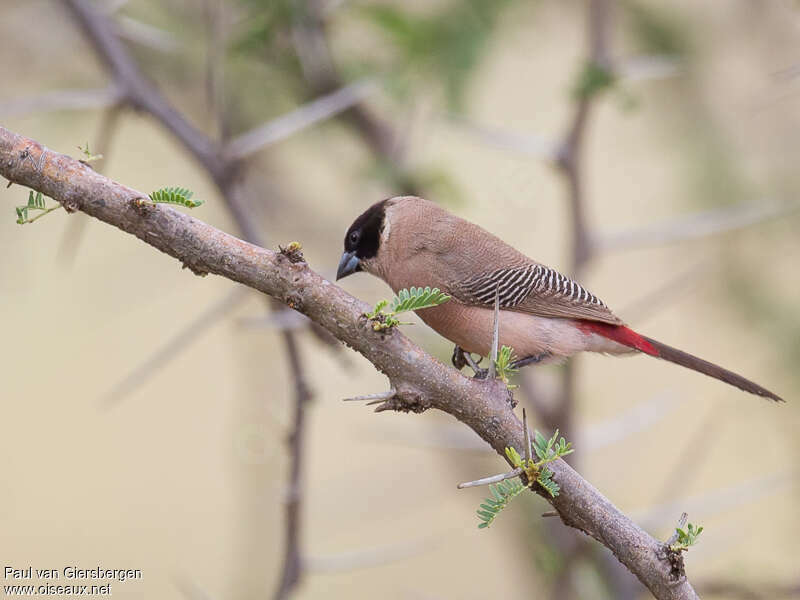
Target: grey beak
[347,265]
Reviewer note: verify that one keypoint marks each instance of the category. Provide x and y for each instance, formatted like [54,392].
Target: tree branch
[421,381]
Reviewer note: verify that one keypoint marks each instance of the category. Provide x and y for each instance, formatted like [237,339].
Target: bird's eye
[354,237]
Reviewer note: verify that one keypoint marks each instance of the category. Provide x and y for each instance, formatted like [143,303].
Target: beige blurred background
[185,476]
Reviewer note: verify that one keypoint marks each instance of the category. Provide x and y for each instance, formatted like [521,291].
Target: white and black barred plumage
[534,288]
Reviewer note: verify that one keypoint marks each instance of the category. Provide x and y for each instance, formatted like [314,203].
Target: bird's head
[363,240]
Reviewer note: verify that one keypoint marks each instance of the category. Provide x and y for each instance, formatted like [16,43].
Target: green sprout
[536,471]
[88,157]
[406,300]
[547,450]
[35,203]
[175,195]
[504,365]
[686,538]
[502,493]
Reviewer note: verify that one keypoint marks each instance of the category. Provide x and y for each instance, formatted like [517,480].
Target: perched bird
[544,315]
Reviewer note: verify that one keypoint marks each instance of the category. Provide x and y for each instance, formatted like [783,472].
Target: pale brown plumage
[411,242]
[424,245]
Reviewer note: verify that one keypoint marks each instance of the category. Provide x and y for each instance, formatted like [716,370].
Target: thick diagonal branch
[420,380]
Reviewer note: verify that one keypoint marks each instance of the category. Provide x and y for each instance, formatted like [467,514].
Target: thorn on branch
[491,479]
[408,401]
[495,334]
[379,397]
[527,433]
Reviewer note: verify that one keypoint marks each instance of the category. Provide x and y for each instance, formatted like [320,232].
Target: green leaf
[540,445]
[502,493]
[417,299]
[175,195]
[513,456]
[35,202]
[545,479]
[405,300]
[686,537]
[503,367]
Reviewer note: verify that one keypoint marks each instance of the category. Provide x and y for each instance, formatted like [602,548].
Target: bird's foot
[529,360]
[480,373]
[458,360]
[462,358]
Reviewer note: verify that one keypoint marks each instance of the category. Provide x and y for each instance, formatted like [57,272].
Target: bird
[544,316]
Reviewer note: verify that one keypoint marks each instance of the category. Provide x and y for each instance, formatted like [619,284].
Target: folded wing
[535,289]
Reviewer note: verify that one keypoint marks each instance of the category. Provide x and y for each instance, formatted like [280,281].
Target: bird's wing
[535,289]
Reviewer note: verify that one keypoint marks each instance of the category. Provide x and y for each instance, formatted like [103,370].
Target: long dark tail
[628,337]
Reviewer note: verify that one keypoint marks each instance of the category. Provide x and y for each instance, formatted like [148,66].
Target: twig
[534,145]
[422,382]
[278,320]
[309,37]
[174,347]
[540,146]
[146,35]
[668,290]
[301,118]
[371,557]
[292,570]
[90,99]
[214,16]
[717,500]
[697,226]
[638,417]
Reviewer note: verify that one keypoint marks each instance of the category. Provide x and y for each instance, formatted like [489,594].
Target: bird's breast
[472,328]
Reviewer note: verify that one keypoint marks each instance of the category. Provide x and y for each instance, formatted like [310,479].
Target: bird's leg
[529,360]
[458,360]
[479,373]
[462,358]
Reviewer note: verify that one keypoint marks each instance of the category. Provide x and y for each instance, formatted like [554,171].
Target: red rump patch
[619,333]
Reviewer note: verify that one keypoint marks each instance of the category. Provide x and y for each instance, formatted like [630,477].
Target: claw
[462,358]
[480,373]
